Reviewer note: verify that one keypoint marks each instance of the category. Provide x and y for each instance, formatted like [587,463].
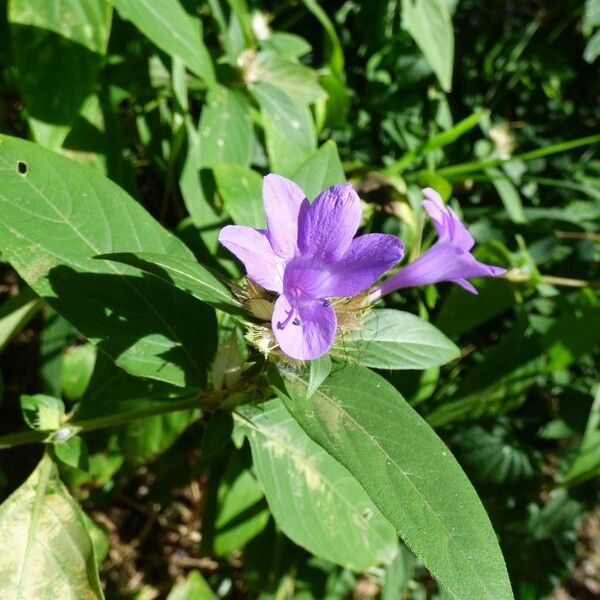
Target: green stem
[209,400]
[469,167]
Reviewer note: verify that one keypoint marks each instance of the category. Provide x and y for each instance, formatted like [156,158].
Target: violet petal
[367,259]
[306,331]
[442,262]
[446,222]
[253,248]
[326,229]
[282,200]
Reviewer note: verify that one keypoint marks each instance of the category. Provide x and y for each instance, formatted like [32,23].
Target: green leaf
[241,191]
[296,80]
[592,48]
[242,513]
[196,188]
[193,588]
[73,452]
[408,472]
[392,339]
[494,458]
[317,504]
[51,555]
[15,313]
[183,273]
[166,24]
[462,311]
[497,384]
[322,170]
[41,412]
[587,462]
[289,129]
[575,333]
[335,52]
[508,194]
[318,371]
[54,218]
[77,368]
[225,129]
[59,50]
[144,440]
[429,24]
[288,45]
[438,140]
[55,337]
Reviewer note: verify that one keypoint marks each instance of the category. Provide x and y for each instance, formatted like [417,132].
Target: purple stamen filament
[282,324]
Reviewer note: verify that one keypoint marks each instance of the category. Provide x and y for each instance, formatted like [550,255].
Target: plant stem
[208,400]
[466,168]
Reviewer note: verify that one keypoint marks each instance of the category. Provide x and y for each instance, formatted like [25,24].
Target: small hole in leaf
[22,167]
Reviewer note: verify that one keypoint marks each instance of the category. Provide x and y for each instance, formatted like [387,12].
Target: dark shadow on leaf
[152,269]
[120,313]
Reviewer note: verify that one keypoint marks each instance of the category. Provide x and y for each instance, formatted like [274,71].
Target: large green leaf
[408,472]
[318,504]
[289,129]
[54,217]
[322,170]
[429,24]
[59,50]
[49,553]
[392,339]
[167,25]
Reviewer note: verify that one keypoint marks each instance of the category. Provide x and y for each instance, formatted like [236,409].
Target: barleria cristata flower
[449,259]
[309,257]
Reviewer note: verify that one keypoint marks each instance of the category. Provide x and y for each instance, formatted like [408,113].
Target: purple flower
[449,259]
[308,255]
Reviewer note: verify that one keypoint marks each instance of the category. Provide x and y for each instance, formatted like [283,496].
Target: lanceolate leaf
[49,553]
[392,339]
[167,25]
[225,129]
[408,472]
[55,216]
[289,129]
[318,504]
[429,24]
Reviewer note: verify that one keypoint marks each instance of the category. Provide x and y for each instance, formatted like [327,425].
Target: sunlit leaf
[166,24]
[55,216]
[51,554]
[318,504]
[408,472]
[430,26]
[392,339]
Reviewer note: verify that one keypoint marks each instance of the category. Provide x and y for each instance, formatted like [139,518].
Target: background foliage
[182,106]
